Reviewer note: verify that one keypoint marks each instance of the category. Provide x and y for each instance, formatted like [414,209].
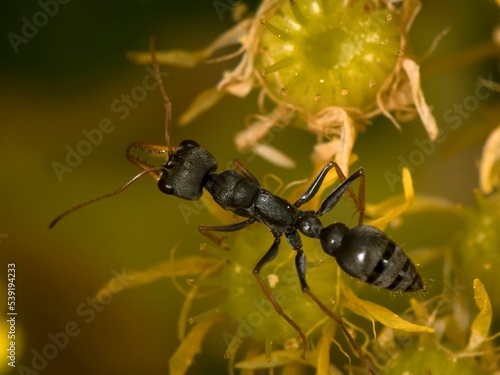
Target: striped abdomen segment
[369,255]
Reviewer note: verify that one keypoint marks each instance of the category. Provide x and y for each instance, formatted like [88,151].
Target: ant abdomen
[369,255]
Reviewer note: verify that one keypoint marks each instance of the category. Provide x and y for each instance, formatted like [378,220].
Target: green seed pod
[247,305]
[430,359]
[479,252]
[329,53]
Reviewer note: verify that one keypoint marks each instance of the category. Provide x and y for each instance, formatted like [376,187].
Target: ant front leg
[268,257]
[300,265]
[333,198]
[313,189]
[315,185]
[207,230]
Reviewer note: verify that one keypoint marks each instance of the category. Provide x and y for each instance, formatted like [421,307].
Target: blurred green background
[65,79]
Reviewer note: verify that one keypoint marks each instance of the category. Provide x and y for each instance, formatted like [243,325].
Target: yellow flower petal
[490,163]
[203,102]
[323,361]
[413,71]
[178,267]
[392,213]
[188,59]
[240,81]
[481,325]
[183,356]
[260,128]
[279,358]
[273,155]
[334,122]
[374,312]
[421,312]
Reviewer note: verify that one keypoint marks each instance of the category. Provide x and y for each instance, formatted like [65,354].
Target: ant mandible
[364,252]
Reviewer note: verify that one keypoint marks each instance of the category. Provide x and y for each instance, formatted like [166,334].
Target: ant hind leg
[268,257]
[300,265]
[207,230]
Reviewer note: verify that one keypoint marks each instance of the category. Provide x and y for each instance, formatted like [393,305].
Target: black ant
[364,252]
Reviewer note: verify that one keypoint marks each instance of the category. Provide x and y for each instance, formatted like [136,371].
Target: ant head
[186,170]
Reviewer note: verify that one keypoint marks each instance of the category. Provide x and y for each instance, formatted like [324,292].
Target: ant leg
[207,229]
[316,184]
[334,197]
[245,172]
[300,265]
[268,257]
[361,193]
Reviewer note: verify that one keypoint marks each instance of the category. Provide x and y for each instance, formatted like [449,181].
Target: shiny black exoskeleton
[364,252]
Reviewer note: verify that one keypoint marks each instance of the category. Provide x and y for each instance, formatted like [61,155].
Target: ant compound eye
[189,143]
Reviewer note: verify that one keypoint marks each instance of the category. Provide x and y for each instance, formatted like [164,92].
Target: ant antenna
[170,150]
[93,200]
[168,105]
